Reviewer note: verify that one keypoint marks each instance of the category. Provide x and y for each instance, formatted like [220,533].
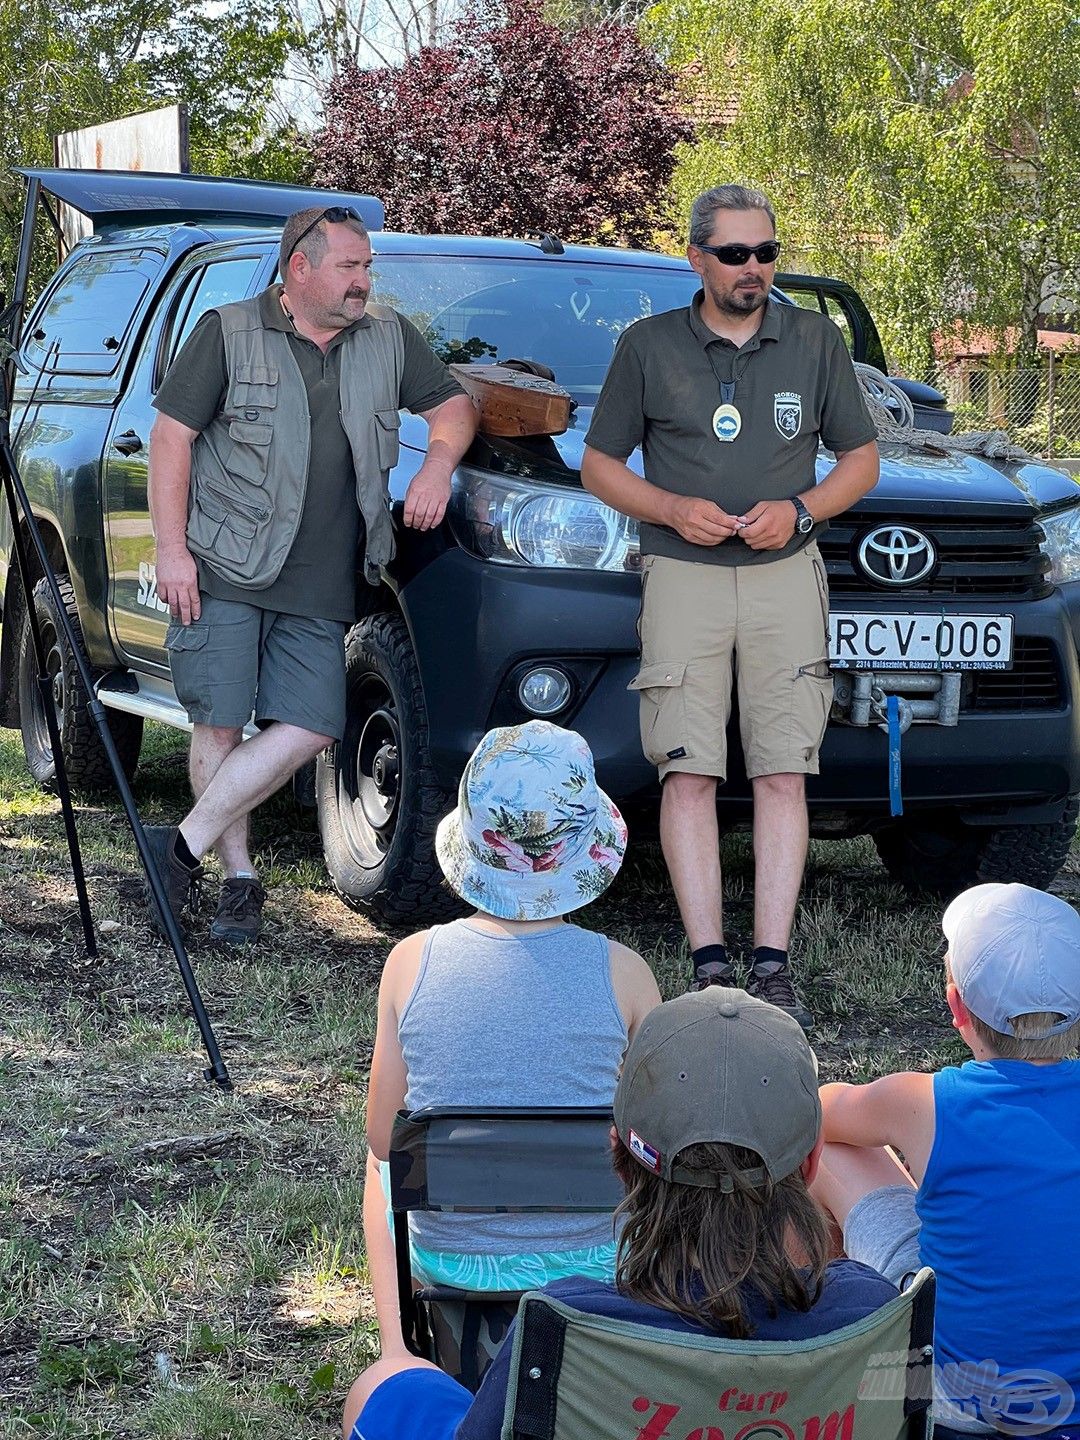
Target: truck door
[138,619]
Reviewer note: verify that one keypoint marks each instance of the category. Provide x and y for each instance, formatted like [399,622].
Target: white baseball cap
[1014,951]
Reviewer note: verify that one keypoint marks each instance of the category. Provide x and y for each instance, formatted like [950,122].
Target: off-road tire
[940,863]
[85,759]
[389,869]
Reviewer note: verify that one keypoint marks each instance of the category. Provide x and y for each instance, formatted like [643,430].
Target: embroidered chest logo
[787,412]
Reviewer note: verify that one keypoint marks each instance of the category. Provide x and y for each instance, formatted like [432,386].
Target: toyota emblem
[896,555]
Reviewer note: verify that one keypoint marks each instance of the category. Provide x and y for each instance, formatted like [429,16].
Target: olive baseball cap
[1014,951]
[718,1066]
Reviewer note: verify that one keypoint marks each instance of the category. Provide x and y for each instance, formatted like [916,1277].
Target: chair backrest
[502,1159]
[586,1377]
[489,1161]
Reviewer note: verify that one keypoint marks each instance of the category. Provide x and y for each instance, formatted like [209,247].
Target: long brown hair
[692,1250]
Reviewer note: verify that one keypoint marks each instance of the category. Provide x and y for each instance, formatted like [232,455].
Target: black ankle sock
[710,955]
[183,853]
[765,955]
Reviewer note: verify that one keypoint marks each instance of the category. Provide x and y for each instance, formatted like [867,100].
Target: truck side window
[90,310]
[841,319]
[220,282]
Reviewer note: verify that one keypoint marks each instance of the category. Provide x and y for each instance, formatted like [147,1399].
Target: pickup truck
[955,584]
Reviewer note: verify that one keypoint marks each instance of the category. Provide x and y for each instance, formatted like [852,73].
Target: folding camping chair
[585,1377]
[487,1161]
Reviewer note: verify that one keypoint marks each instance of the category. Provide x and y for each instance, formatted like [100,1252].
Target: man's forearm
[855,472]
[451,429]
[168,484]
[614,483]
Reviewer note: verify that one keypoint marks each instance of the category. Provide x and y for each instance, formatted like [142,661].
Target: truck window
[89,311]
[841,319]
[219,283]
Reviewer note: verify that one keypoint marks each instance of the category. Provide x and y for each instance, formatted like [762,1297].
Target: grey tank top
[523,1020]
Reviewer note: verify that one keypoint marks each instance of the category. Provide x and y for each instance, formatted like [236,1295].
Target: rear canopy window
[88,313]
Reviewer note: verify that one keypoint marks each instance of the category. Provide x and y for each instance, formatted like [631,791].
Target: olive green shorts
[706,629]
[237,660]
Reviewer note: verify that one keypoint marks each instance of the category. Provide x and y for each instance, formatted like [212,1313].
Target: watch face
[805,524]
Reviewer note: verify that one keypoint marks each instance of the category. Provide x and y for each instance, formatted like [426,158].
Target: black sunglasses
[336,214]
[764,253]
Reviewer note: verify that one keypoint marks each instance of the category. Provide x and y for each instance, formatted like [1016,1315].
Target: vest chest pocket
[253,387]
[388,437]
[249,450]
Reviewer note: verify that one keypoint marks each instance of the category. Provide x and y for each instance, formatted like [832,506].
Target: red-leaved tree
[513,126]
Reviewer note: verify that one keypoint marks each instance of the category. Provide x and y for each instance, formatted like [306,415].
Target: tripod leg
[63,789]
[17,500]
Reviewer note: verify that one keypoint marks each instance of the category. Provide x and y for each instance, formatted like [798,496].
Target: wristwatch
[804,521]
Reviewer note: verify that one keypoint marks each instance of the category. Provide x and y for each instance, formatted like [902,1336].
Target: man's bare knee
[219,735]
[787,786]
[688,789]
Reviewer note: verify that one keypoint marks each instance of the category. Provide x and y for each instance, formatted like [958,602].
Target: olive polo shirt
[319,576]
[794,383]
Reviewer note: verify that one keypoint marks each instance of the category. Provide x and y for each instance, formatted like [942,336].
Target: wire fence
[1038,408]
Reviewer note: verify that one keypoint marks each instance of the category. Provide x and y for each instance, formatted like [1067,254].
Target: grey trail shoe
[181,881]
[239,913]
[773,984]
[713,974]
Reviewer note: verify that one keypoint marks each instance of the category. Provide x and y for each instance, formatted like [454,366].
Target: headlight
[521,522]
[1061,542]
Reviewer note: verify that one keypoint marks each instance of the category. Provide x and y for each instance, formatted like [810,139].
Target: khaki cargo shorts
[762,627]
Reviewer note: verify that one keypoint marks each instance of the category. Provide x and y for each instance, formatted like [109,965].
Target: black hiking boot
[181,880]
[239,913]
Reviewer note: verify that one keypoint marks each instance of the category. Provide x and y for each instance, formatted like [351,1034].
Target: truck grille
[1033,683]
[977,560]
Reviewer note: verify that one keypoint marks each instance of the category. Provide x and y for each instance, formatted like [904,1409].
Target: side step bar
[149,696]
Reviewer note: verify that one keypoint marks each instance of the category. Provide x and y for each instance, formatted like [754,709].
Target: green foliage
[66,64]
[98,1362]
[924,149]
[316,1390]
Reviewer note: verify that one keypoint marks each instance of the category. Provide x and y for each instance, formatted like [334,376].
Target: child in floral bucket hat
[512,1005]
[533,836]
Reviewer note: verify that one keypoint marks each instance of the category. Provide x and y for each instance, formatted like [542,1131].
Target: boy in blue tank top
[990,1191]
[511,1005]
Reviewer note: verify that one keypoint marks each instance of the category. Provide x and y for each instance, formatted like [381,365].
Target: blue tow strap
[892,714]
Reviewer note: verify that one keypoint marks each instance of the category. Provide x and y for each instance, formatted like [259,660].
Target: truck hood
[911,481]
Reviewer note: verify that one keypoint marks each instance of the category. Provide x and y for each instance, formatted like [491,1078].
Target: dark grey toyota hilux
[955,583]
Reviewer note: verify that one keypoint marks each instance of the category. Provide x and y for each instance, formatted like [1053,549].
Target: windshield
[568,317]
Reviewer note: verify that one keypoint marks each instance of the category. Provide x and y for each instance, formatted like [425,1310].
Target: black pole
[17,499]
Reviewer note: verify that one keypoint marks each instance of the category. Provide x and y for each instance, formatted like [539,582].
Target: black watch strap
[804,521]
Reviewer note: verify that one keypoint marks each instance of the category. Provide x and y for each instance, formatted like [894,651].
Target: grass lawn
[177,1262]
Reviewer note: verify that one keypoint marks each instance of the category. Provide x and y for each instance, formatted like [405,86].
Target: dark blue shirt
[849,1292]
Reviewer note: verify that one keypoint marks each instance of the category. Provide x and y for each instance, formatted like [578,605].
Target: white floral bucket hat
[533,835]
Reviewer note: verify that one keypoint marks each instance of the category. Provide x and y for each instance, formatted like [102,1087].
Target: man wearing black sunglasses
[728,400]
[269,463]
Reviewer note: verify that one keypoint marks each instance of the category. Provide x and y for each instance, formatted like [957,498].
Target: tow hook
[931,697]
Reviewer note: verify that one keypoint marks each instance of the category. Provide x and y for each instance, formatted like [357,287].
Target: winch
[929,697]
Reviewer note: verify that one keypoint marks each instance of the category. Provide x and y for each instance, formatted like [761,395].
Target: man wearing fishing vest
[269,463]
[728,400]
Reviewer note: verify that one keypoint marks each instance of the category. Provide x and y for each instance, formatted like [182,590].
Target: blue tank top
[998,1207]
[494,1019]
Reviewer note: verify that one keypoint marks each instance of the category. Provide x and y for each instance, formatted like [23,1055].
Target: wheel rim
[54,669]
[369,772]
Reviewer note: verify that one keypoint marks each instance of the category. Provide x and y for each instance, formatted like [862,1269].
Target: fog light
[544,692]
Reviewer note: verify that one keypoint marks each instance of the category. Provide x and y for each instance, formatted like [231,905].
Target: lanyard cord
[727,387]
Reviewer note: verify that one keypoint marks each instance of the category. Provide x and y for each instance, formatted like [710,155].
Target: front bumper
[475,624]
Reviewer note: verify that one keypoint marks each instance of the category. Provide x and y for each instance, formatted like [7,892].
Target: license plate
[920,642]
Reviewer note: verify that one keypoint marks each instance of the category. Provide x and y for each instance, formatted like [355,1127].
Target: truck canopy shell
[139,197]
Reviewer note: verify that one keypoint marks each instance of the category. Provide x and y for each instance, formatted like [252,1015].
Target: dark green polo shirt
[319,575]
[794,383]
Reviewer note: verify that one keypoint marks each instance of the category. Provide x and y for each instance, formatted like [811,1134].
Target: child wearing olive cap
[992,1181]
[716,1139]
